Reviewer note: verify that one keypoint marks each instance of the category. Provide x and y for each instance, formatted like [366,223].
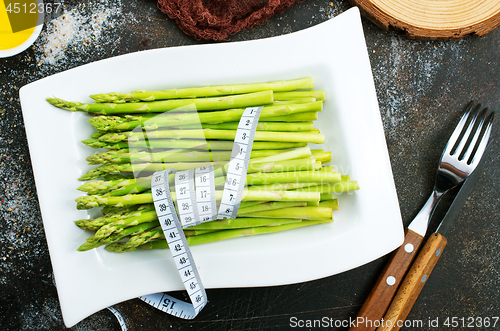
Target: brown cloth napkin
[218,19]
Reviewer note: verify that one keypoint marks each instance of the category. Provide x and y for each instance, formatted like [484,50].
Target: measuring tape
[205,193]
[172,229]
[119,317]
[186,200]
[238,164]
[195,195]
[195,206]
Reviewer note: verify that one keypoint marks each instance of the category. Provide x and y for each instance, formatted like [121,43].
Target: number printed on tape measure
[166,222]
[186,199]
[236,167]
[172,229]
[205,193]
[238,164]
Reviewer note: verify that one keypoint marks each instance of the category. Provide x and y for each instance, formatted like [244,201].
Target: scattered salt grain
[76,29]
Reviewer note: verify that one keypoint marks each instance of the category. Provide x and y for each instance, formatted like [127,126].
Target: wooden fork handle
[384,290]
[413,283]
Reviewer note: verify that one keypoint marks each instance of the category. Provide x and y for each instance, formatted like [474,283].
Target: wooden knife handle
[413,283]
[379,299]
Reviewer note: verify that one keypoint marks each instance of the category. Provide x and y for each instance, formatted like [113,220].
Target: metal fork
[460,163]
[459,159]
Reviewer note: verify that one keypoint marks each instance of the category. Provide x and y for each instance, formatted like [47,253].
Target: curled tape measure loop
[196,203]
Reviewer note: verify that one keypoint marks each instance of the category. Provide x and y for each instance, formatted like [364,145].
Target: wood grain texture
[413,283]
[383,292]
[429,19]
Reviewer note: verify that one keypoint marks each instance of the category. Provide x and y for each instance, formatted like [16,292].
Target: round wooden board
[433,19]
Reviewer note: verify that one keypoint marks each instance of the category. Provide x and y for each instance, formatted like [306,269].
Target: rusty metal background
[422,87]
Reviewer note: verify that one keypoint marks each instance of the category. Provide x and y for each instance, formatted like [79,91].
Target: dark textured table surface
[422,87]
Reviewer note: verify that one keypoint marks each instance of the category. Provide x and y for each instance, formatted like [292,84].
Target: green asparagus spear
[270,206]
[125,123]
[157,233]
[91,201]
[306,213]
[299,117]
[340,187]
[243,222]
[189,232]
[183,155]
[261,126]
[289,177]
[302,136]
[220,167]
[111,216]
[217,236]
[206,91]
[141,239]
[202,104]
[292,95]
[109,211]
[130,231]
[210,145]
[96,143]
[332,203]
[99,186]
[121,224]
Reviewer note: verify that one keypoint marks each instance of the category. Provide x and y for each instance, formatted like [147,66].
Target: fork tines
[472,133]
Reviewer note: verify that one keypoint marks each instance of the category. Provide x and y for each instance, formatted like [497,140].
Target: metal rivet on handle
[424,278]
[438,252]
[409,248]
[391,280]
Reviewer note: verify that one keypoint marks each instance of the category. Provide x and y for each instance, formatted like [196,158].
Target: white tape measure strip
[184,261]
[238,165]
[205,193]
[119,317]
[186,199]
[197,204]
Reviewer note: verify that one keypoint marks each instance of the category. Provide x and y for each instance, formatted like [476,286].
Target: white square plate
[365,228]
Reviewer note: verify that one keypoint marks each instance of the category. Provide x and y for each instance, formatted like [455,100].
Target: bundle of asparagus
[147,131]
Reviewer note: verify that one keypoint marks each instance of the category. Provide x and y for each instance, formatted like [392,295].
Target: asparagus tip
[63,104]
